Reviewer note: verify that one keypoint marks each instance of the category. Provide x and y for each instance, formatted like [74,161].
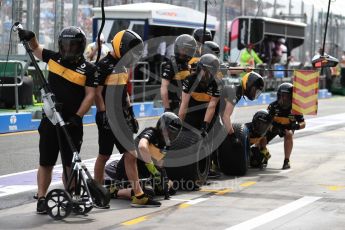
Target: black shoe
[212,174]
[41,206]
[148,190]
[144,201]
[286,164]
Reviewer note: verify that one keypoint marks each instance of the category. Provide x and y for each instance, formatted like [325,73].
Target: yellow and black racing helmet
[128,43]
[252,84]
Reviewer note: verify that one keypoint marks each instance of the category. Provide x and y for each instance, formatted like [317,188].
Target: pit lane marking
[275,214]
[217,191]
[18,133]
[192,202]
[135,221]
[248,183]
[333,187]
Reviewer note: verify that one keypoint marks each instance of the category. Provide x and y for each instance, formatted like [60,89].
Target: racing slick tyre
[233,159]
[188,161]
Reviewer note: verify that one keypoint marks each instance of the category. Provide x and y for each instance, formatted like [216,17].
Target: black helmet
[128,44]
[184,47]
[261,122]
[210,64]
[72,43]
[199,33]
[284,95]
[253,85]
[211,47]
[169,127]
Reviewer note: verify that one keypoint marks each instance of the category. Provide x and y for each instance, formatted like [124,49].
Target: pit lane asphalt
[316,177]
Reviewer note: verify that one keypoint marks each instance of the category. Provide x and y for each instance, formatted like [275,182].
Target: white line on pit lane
[275,214]
[6,190]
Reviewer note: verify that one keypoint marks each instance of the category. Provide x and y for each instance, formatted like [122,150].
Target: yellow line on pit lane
[18,133]
[135,221]
[218,192]
[248,183]
[333,187]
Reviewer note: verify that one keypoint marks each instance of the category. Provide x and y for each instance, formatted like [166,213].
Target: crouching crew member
[152,144]
[284,122]
[257,130]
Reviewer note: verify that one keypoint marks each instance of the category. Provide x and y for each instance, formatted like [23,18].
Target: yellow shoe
[144,201]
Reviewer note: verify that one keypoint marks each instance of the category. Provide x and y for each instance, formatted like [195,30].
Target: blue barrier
[16,122]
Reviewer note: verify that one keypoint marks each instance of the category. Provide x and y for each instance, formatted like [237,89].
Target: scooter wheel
[58,204]
[79,202]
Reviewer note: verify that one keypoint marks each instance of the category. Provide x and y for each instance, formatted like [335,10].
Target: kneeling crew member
[152,144]
[257,129]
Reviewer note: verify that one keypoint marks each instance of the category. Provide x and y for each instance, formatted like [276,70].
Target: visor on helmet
[71,49]
[285,100]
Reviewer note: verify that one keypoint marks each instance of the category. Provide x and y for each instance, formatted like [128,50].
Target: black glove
[205,127]
[234,139]
[75,121]
[26,35]
[101,118]
[133,123]
[294,126]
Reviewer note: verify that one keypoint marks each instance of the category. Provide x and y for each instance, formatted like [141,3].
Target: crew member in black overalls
[200,96]
[175,71]
[198,35]
[250,86]
[152,144]
[257,130]
[284,122]
[115,118]
[73,82]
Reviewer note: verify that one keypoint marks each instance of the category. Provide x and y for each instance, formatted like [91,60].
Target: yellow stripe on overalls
[66,73]
[201,97]
[116,79]
[255,140]
[220,75]
[182,75]
[193,60]
[155,152]
[282,120]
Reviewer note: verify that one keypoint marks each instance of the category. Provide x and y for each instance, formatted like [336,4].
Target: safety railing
[15,69]
[144,69]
